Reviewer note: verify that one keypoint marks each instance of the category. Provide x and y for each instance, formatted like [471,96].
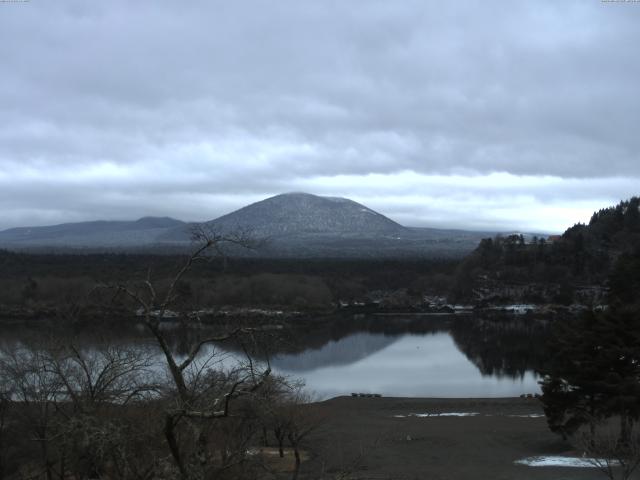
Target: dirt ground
[377,438]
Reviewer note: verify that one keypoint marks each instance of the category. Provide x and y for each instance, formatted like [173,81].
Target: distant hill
[146,230]
[293,225]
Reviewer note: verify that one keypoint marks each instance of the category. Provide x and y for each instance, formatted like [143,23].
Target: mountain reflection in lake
[412,357]
[417,357]
[409,365]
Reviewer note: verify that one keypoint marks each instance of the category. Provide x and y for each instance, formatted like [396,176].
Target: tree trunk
[296,453]
[625,430]
[63,466]
[49,468]
[592,434]
[296,471]
[170,435]
[202,447]
[44,452]
[279,434]
[176,373]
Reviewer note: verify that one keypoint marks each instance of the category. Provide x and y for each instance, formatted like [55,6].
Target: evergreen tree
[595,372]
[624,282]
[571,397]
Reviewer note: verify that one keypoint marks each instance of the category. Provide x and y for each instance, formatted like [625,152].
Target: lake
[409,365]
[404,357]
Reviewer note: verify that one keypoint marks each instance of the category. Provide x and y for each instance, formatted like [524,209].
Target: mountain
[299,214]
[145,230]
[305,225]
[295,213]
[293,225]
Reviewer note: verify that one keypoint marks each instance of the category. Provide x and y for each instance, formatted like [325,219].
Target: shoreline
[438,438]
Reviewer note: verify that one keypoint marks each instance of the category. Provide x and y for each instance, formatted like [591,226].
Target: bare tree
[194,401]
[302,423]
[268,408]
[71,401]
[287,413]
[602,448]
[25,373]
[98,386]
[102,375]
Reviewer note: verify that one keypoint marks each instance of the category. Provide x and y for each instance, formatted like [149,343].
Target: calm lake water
[409,365]
[413,357]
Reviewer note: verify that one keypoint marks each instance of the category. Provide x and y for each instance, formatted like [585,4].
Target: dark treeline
[583,255]
[586,251]
[49,279]
[111,265]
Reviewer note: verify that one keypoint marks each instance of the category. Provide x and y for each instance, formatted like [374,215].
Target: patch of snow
[452,414]
[366,210]
[251,311]
[551,461]
[459,308]
[519,309]
[446,414]
[466,414]
[530,415]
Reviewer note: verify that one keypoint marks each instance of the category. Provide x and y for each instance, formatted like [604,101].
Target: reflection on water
[504,346]
[415,365]
[428,357]
[351,349]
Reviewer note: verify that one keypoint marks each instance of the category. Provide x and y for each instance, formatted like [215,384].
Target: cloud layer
[486,115]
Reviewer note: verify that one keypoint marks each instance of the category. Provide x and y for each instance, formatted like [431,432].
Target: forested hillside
[579,260]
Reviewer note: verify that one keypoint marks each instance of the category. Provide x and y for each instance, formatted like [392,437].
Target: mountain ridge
[295,224]
[87,231]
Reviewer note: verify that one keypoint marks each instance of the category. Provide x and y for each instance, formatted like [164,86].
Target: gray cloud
[115,109]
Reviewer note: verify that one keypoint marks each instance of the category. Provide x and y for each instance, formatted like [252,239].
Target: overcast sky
[495,115]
